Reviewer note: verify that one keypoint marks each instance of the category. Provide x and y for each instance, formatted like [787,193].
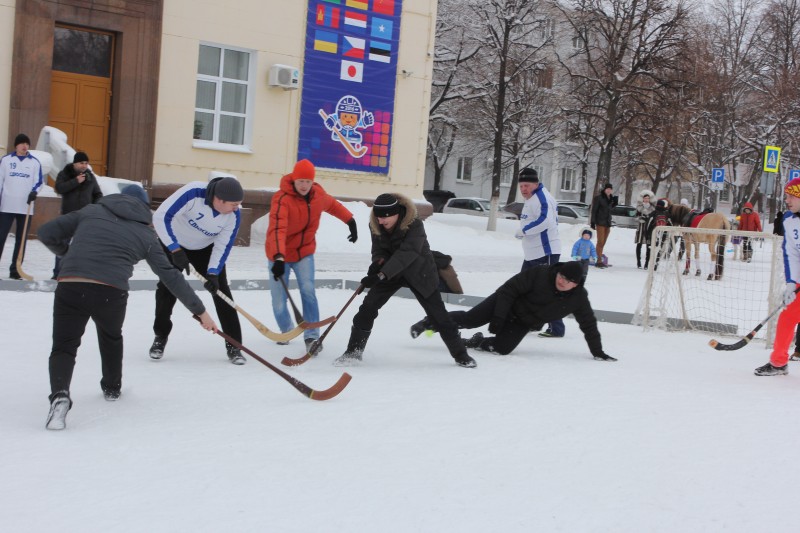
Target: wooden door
[80,91]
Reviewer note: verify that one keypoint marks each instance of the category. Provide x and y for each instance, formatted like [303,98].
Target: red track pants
[787,324]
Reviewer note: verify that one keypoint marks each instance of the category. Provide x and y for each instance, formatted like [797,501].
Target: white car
[473,206]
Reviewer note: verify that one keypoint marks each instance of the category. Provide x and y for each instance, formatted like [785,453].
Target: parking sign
[794,174]
[717,179]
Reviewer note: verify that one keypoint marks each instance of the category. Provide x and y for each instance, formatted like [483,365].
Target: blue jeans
[556,327]
[304,272]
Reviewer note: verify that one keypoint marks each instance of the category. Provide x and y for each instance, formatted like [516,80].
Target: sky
[673,437]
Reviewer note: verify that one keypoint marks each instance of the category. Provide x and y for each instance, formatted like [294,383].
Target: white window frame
[569,180]
[464,170]
[725,193]
[506,175]
[580,40]
[548,29]
[248,115]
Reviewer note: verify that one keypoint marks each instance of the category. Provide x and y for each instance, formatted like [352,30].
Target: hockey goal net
[750,286]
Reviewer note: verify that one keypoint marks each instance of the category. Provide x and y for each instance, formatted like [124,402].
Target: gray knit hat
[137,192]
[229,190]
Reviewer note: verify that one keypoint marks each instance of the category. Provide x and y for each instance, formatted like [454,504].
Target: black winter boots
[355,348]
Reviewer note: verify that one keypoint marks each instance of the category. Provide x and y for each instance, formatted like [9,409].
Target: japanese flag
[352,71]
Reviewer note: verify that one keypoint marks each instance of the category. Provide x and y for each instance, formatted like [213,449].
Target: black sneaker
[795,356]
[604,357]
[313,346]
[474,341]
[549,335]
[111,395]
[234,354]
[15,275]
[349,359]
[157,349]
[420,327]
[57,417]
[464,360]
[769,370]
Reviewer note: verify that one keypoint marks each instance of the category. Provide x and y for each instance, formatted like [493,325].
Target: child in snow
[584,252]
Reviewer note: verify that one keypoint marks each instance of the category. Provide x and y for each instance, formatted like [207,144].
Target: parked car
[569,214]
[574,203]
[573,214]
[473,206]
[624,216]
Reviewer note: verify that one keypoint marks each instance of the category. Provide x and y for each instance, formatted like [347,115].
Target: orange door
[80,90]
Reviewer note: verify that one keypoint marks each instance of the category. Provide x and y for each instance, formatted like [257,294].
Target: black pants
[74,304]
[6,220]
[509,337]
[165,300]
[433,306]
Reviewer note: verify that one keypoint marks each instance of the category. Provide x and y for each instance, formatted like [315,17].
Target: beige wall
[7,12]
[275,29]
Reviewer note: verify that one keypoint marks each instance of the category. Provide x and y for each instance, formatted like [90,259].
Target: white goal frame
[733,305]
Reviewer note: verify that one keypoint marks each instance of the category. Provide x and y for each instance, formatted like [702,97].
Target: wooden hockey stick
[298,316]
[304,389]
[264,330]
[741,343]
[21,254]
[288,361]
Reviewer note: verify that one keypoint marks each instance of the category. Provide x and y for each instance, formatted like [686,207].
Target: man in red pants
[789,317]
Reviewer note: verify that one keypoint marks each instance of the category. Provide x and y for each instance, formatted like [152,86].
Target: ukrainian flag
[326,41]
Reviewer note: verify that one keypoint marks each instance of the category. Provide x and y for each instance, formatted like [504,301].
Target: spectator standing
[118,230]
[294,217]
[538,230]
[790,316]
[20,181]
[584,252]
[78,187]
[197,226]
[644,208]
[750,221]
[401,257]
[601,220]
[777,225]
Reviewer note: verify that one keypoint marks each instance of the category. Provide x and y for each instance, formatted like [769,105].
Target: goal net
[749,288]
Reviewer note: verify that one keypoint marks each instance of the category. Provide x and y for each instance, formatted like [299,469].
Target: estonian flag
[379,51]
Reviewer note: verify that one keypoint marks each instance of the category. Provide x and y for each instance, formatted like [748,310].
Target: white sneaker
[57,418]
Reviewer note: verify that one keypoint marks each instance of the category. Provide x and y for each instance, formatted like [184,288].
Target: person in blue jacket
[584,252]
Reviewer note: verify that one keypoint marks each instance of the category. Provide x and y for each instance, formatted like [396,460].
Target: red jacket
[294,220]
[749,221]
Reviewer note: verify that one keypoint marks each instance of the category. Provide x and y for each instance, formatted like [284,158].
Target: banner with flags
[349,78]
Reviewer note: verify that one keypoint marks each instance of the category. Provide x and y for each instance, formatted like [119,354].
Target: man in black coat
[78,188]
[527,301]
[401,257]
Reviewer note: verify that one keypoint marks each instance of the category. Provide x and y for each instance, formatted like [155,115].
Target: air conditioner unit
[284,76]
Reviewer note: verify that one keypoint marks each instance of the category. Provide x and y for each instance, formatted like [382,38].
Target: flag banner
[349,81]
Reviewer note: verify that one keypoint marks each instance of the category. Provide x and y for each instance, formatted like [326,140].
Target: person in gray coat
[100,244]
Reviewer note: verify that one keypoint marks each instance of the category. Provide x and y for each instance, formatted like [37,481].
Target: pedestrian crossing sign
[772,158]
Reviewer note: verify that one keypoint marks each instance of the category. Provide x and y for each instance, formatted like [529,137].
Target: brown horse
[681,215]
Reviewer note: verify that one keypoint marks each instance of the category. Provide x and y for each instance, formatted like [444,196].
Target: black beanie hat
[587,232]
[608,186]
[661,203]
[22,138]
[528,175]
[572,270]
[229,190]
[80,157]
[137,192]
[386,205]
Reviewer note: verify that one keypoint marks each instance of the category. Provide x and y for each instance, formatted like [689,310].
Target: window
[223,101]
[82,51]
[544,78]
[464,169]
[568,182]
[725,194]
[548,28]
[506,175]
[580,39]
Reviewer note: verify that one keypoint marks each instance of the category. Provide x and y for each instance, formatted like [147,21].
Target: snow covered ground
[673,437]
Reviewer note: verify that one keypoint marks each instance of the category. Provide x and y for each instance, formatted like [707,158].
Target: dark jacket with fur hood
[532,298]
[404,251]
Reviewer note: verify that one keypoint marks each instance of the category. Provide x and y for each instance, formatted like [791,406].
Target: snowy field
[674,437]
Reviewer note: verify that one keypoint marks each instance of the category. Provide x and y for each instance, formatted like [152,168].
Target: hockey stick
[298,316]
[304,389]
[21,254]
[271,335]
[741,343]
[288,361]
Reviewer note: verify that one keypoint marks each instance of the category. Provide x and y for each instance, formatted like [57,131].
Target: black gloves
[594,226]
[496,325]
[212,283]
[374,268]
[353,230]
[180,260]
[278,268]
[32,196]
[370,280]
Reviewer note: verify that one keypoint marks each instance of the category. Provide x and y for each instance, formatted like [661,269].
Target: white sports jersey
[19,176]
[791,247]
[538,222]
[185,220]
